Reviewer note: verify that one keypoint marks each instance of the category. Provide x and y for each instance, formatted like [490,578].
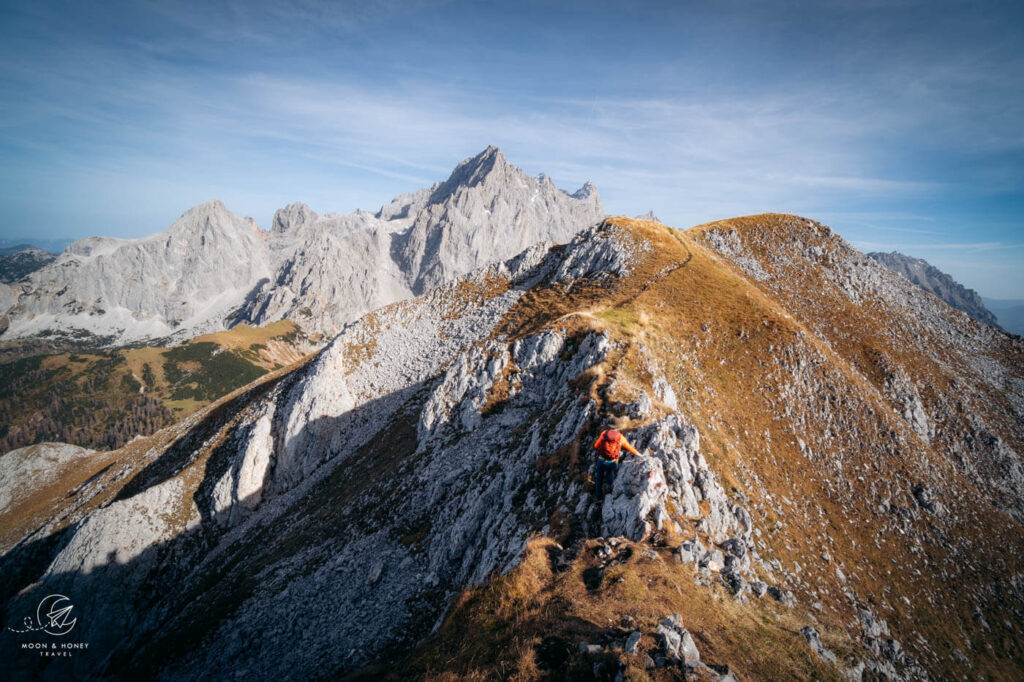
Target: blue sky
[898,123]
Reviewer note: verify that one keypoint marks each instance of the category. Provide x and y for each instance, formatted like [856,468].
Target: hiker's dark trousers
[604,475]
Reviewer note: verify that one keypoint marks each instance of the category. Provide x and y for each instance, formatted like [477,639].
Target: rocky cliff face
[332,270]
[212,269]
[190,277]
[935,281]
[829,482]
[489,210]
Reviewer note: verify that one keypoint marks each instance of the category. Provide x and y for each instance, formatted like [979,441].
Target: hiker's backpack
[611,445]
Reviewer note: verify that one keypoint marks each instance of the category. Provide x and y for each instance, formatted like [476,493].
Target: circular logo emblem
[54,615]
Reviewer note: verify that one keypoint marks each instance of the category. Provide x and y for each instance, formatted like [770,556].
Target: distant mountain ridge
[9,250]
[18,261]
[212,269]
[935,281]
[54,246]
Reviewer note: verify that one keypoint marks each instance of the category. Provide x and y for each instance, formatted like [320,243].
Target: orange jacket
[599,445]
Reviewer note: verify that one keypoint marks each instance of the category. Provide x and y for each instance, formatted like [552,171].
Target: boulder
[688,648]
[736,547]
[782,596]
[641,407]
[713,560]
[670,640]
[925,497]
[686,554]
[874,627]
[676,640]
[638,491]
[854,673]
[814,641]
[632,642]
[375,570]
[734,581]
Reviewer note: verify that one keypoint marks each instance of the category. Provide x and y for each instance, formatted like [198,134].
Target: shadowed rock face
[212,269]
[935,281]
[789,396]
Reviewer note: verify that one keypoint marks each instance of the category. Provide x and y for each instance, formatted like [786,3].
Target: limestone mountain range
[212,269]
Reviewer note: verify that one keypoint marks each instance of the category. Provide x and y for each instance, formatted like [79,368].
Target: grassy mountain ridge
[759,364]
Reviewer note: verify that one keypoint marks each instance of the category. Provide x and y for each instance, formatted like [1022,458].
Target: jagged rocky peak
[489,210]
[292,217]
[925,275]
[209,218]
[183,281]
[488,165]
[586,191]
[491,168]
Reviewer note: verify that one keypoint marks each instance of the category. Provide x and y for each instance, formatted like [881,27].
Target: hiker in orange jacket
[609,445]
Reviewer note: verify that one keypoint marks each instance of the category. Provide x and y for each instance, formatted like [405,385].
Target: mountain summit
[488,210]
[489,165]
[213,269]
[830,483]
